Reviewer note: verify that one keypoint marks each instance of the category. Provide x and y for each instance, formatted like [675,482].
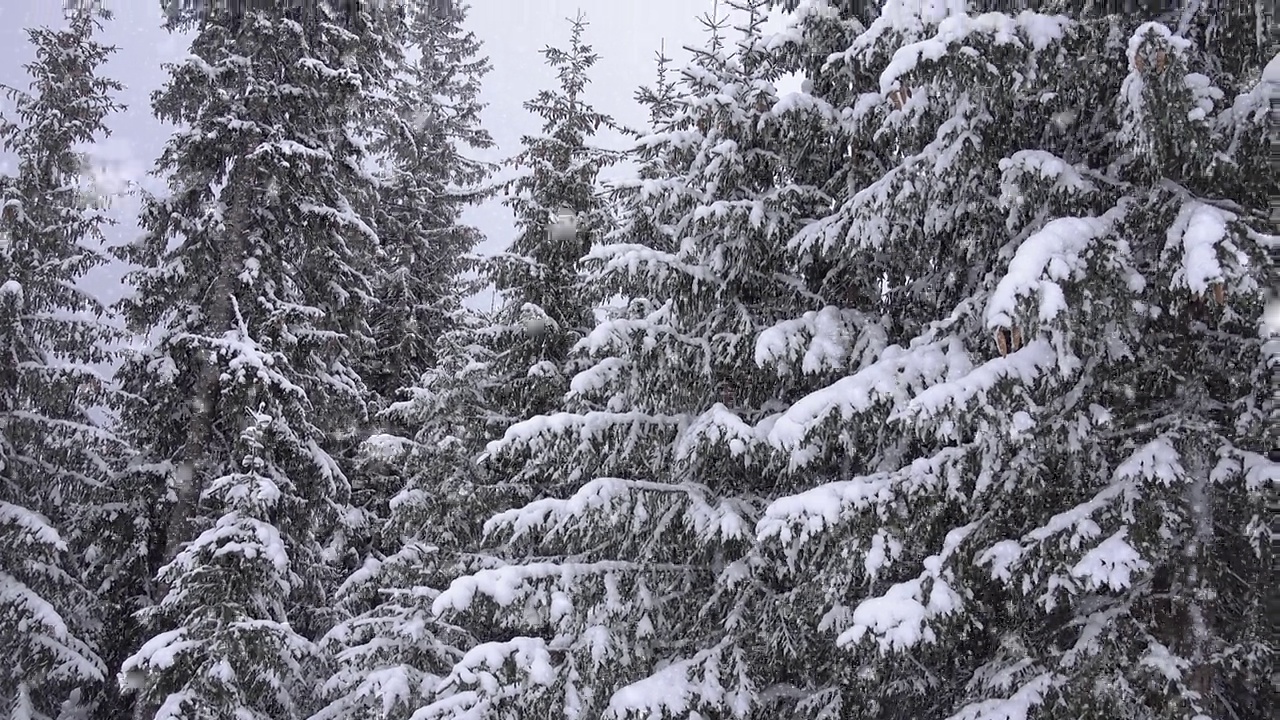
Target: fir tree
[559,212]
[52,345]
[394,656]
[252,292]
[428,125]
[661,100]
[1039,491]
[392,653]
[433,125]
[632,601]
[389,653]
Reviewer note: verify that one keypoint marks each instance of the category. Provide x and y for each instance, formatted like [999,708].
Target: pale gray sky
[626,34]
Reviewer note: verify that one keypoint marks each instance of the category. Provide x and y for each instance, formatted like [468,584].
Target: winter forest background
[844,359]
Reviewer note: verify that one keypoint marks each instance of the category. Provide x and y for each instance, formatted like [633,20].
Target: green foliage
[53,341]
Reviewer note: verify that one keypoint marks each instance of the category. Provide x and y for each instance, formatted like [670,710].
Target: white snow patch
[1198,231]
[1271,73]
[1052,254]
[1111,564]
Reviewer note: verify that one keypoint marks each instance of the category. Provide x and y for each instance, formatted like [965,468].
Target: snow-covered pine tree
[252,293]
[388,653]
[631,211]
[480,378]
[53,344]
[1041,493]
[660,98]
[427,129]
[430,131]
[632,600]
[543,309]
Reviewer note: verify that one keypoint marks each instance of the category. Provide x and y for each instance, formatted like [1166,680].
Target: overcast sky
[625,33]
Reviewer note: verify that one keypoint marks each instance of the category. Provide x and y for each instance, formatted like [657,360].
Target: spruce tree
[425,131]
[543,310]
[53,345]
[634,598]
[1038,491]
[393,657]
[432,126]
[252,293]
[419,472]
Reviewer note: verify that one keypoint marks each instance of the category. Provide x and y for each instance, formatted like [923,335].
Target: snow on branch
[612,264]
[480,680]
[1196,235]
[717,427]
[597,378]
[797,518]
[1039,30]
[1025,365]
[232,534]
[617,500]
[505,585]
[538,433]
[891,379]
[35,525]
[1109,563]
[1050,255]
[157,654]
[900,618]
[678,689]
[818,341]
[1040,167]
[1018,706]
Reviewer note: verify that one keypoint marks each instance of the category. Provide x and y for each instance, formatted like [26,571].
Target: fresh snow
[1053,254]
[891,380]
[1040,30]
[1271,73]
[1111,564]
[1198,232]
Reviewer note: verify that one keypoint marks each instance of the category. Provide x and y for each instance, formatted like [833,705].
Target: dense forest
[938,389]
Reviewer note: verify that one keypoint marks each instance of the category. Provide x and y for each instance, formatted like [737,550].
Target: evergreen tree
[433,124]
[52,344]
[661,100]
[252,292]
[394,656]
[1038,491]
[427,127]
[543,309]
[634,600]
[391,649]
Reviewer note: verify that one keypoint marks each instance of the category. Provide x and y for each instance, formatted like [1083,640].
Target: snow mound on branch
[1025,366]
[899,619]
[795,519]
[1015,707]
[891,380]
[677,689]
[1198,231]
[611,496]
[816,342]
[1040,30]
[1271,73]
[386,447]
[1052,254]
[718,426]
[1111,564]
[1163,33]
